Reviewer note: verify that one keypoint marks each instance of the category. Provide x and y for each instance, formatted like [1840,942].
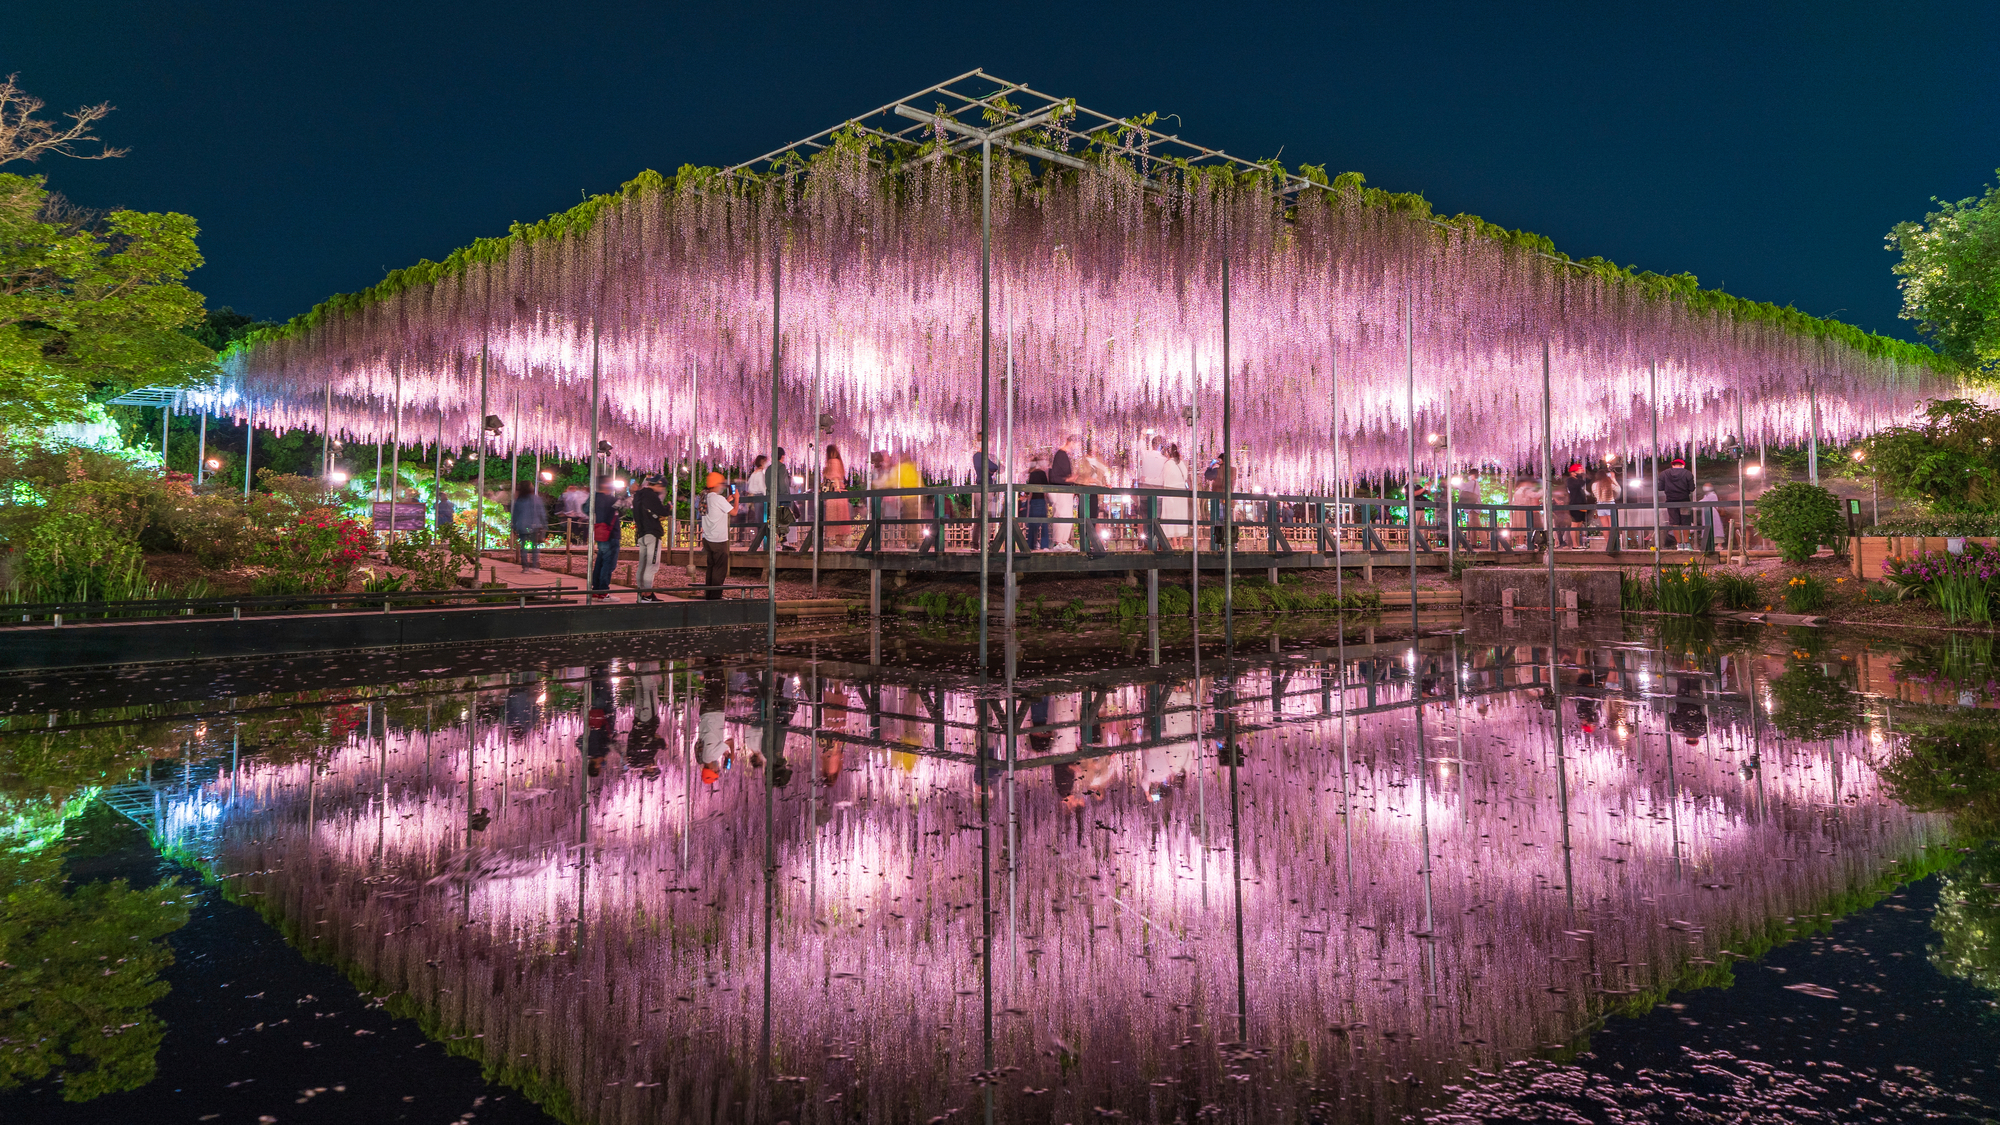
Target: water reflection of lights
[1122,853]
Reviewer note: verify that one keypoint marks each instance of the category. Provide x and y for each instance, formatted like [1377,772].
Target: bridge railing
[1103,519]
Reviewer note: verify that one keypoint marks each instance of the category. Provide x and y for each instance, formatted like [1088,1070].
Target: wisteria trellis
[1111,272]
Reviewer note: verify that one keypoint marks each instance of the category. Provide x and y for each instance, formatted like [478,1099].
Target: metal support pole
[1812,435]
[249,440]
[166,427]
[396,450]
[589,460]
[1742,449]
[325,432]
[982,481]
[1226,478]
[697,489]
[1659,532]
[1339,592]
[771,474]
[1009,517]
[1191,463]
[1549,499]
[201,449]
[1410,485]
[479,498]
[813,468]
[1450,491]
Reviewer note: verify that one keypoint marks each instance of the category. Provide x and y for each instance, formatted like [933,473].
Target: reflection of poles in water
[1423,802]
[1013,816]
[983,759]
[1200,774]
[1228,717]
[812,785]
[773,746]
[1458,731]
[1673,783]
[1346,764]
[381,780]
[1555,622]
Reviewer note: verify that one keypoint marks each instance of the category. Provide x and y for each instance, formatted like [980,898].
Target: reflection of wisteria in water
[1376,969]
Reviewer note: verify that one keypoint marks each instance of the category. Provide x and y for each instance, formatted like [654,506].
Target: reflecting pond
[1291,876]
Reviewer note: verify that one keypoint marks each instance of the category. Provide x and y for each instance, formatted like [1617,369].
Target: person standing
[778,490]
[1038,509]
[444,511]
[575,502]
[1174,478]
[716,512]
[982,478]
[833,479]
[604,536]
[1576,486]
[750,507]
[1062,505]
[1677,487]
[1221,480]
[649,514]
[529,519]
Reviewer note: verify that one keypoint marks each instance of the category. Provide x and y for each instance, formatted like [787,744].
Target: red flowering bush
[317,551]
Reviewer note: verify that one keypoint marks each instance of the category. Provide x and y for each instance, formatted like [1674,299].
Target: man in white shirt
[716,510]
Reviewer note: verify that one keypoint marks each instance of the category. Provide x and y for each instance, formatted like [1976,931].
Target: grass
[1685,590]
[1737,591]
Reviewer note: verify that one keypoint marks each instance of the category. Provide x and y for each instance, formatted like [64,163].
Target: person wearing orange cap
[716,510]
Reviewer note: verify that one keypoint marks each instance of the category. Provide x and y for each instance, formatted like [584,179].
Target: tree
[1951,278]
[1949,461]
[81,973]
[90,303]
[24,137]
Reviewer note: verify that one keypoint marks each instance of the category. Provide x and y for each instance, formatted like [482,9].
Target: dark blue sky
[1763,147]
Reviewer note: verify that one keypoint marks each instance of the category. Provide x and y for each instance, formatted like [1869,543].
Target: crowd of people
[735,511]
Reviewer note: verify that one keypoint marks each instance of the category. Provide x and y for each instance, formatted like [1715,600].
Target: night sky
[1766,148]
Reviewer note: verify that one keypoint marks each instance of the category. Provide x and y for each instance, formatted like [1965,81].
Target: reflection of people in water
[601,721]
[1586,705]
[714,748]
[644,742]
[831,757]
[523,712]
[779,705]
[1688,716]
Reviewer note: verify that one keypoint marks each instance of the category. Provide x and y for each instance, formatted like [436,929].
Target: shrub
[317,549]
[1798,517]
[1738,591]
[434,556]
[1634,593]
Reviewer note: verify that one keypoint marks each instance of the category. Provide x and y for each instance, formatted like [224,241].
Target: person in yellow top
[905,474]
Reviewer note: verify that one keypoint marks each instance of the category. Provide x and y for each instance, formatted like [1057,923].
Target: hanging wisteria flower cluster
[1108,295]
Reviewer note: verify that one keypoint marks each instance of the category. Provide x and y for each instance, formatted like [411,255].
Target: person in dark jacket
[1577,484]
[649,514]
[1062,505]
[1677,486]
[604,535]
[1038,509]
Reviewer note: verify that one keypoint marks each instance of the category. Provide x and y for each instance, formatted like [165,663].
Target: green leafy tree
[1950,461]
[1968,921]
[1811,706]
[1951,278]
[89,302]
[1951,767]
[79,972]
[1798,517]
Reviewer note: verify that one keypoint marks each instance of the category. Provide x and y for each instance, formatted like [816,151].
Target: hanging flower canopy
[1109,240]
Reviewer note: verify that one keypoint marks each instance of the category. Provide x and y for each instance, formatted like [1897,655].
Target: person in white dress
[1174,509]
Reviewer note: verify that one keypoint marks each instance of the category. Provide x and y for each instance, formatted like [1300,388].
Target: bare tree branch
[24,137]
